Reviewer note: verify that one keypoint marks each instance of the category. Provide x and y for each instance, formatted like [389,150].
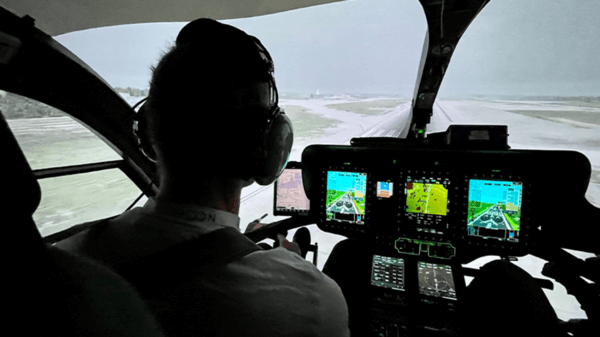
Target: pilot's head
[212,107]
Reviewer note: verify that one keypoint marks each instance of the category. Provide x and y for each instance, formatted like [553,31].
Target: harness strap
[188,259]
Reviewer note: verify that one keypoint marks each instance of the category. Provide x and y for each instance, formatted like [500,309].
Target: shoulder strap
[180,262]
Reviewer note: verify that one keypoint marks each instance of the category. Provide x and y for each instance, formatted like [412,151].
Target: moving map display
[426,199]
[388,272]
[494,209]
[436,280]
[290,195]
[346,196]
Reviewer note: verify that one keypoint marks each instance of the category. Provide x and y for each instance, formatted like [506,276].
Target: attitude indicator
[346,193]
[494,210]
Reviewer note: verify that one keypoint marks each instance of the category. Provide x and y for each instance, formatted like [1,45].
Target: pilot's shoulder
[286,266]
[103,237]
[280,258]
[85,297]
[290,286]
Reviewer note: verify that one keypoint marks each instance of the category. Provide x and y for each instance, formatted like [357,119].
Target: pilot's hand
[291,246]
[255,224]
[252,226]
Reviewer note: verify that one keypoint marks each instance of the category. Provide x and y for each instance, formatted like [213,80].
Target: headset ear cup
[147,148]
[143,136]
[274,151]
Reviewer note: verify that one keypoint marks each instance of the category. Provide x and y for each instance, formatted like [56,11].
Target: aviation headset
[274,137]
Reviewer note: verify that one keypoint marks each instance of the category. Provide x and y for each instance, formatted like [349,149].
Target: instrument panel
[447,204]
[418,214]
[425,208]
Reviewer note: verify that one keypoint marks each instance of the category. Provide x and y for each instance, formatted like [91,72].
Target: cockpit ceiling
[57,17]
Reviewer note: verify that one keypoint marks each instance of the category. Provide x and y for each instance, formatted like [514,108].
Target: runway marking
[390,133]
[379,132]
[444,112]
[369,133]
[45,125]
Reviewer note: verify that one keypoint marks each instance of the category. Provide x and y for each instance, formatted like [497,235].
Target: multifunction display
[438,208]
[290,197]
[436,280]
[346,193]
[494,209]
[426,199]
[388,272]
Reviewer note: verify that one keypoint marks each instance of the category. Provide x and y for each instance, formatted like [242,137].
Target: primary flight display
[346,192]
[494,209]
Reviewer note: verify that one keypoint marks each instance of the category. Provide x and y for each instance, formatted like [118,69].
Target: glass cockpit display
[346,193]
[290,196]
[436,280]
[385,189]
[494,209]
[388,272]
[426,199]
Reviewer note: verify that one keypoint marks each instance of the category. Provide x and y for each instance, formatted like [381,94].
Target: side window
[50,138]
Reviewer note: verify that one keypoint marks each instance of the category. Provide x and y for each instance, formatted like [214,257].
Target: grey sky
[373,46]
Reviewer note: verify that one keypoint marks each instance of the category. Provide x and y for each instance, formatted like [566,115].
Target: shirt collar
[199,215]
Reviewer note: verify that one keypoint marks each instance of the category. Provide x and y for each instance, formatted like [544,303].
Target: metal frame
[61,171]
[447,20]
[42,69]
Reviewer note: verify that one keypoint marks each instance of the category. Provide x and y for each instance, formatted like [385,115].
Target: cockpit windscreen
[494,210]
[346,192]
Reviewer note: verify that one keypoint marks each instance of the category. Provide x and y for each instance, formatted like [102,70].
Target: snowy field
[58,141]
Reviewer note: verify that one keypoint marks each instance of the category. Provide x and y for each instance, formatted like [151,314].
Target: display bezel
[520,233]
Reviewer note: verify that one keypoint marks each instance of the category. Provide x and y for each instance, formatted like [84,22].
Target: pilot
[212,125]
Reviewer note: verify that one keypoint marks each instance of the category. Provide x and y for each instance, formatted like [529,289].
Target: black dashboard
[450,204]
[419,213]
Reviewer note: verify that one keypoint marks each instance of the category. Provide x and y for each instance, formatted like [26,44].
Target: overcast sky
[541,47]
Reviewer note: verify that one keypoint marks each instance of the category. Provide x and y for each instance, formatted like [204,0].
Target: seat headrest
[19,185]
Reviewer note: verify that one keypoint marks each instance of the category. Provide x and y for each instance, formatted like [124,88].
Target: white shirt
[265,293]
